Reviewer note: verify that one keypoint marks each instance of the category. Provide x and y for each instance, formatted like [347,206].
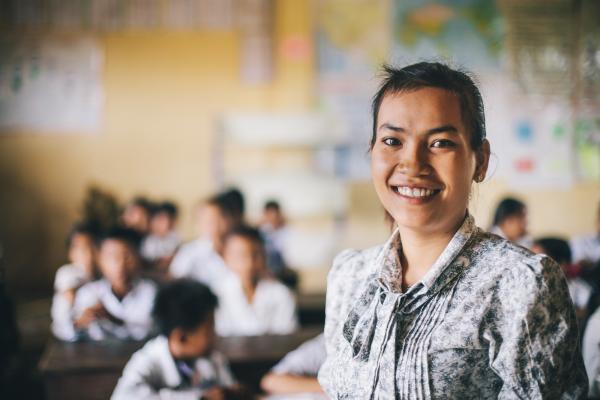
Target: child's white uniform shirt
[152,373]
[586,247]
[155,247]
[68,277]
[272,311]
[198,260]
[134,309]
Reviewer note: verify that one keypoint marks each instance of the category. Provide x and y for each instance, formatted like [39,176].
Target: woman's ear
[482,158]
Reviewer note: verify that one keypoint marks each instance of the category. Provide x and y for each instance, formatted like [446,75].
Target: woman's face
[422,162]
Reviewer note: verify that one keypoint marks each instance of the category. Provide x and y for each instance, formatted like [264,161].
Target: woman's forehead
[422,108]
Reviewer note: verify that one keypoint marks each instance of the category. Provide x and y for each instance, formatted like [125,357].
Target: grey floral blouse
[489,320]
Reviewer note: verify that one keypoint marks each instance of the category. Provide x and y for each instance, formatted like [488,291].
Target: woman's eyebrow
[388,126]
[443,129]
[440,129]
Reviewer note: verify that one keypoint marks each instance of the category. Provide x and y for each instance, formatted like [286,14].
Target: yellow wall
[163,93]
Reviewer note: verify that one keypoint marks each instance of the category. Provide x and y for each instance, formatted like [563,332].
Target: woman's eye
[443,143]
[391,141]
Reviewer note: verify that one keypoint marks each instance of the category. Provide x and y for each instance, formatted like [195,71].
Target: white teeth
[414,192]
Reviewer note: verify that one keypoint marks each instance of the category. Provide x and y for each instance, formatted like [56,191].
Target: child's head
[81,246]
[214,219]
[137,214]
[558,249]
[272,214]
[119,256]
[244,252]
[184,313]
[511,218]
[163,218]
[235,203]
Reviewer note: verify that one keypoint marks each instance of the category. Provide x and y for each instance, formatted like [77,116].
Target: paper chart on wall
[50,85]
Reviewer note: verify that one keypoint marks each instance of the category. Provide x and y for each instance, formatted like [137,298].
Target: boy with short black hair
[119,304]
[181,362]
[70,277]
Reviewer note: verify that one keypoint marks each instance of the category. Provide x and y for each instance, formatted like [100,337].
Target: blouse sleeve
[534,346]
[337,284]
[339,281]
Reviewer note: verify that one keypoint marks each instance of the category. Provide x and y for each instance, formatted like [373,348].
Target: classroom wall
[163,93]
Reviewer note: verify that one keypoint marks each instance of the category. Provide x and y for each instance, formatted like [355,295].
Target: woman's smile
[415,194]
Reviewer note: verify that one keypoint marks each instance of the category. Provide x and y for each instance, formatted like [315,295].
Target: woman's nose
[413,160]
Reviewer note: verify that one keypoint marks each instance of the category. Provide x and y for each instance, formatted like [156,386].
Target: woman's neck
[420,250]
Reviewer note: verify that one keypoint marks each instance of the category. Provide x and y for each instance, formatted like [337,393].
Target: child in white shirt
[159,247]
[249,303]
[70,277]
[181,362]
[201,259]
[119,304]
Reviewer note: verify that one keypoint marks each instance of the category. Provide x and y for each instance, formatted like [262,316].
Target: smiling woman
[443,309]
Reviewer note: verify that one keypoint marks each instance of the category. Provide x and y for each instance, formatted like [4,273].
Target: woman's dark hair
[507,208]
[558,249]
[436,75]
[182,303]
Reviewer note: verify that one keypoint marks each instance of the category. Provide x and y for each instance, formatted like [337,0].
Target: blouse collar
[447,266]
[360,325]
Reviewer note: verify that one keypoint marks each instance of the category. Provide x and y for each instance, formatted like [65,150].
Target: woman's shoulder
[353,264]
[509,263]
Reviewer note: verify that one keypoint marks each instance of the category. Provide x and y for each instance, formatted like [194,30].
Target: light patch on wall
[51,85]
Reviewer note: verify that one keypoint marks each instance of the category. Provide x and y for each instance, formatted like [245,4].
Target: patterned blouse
[489,320]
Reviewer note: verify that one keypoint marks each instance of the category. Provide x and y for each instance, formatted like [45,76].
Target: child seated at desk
[70,277]
[296,373]
[181,362]
[119,304]
[159,247]
[201,259]
[249,302]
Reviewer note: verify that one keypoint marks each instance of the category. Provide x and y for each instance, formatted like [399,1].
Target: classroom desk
[90,370]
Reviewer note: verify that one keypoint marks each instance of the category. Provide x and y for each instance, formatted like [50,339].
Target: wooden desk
[90,370]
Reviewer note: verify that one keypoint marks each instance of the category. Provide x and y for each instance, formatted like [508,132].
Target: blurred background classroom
[102,101]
